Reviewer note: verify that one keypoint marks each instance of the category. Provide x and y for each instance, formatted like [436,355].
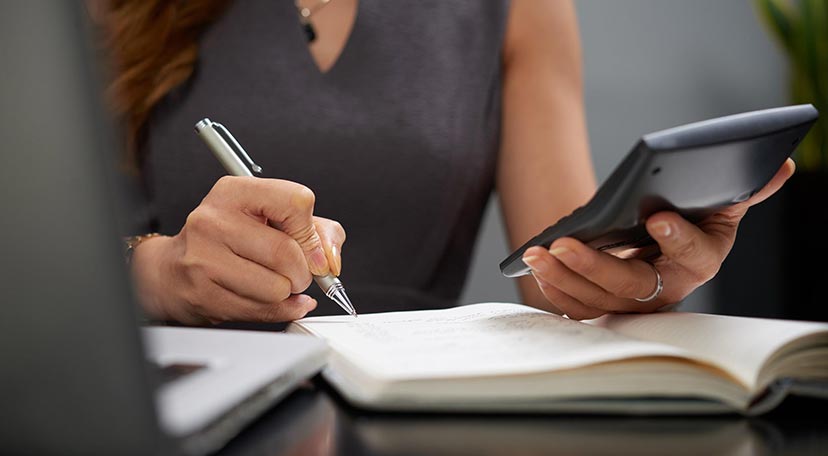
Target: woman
[401,117]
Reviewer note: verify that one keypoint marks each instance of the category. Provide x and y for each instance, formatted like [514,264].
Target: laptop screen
[73,375]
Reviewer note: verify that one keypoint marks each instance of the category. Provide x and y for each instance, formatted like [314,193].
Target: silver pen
[229,152]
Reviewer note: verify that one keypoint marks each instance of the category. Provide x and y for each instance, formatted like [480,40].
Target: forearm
[545,170]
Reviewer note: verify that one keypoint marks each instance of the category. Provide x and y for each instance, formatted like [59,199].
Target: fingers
[229,306]
[287,205]
[585,283]
[332,236]
[270,248]
[570,306]
[209,229]
[700,249]
[229,264]
[250,280]
[221,286]
[690,255]
[595,280]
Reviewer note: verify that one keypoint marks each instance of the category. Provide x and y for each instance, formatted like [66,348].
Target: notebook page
[737,344]
[479,339]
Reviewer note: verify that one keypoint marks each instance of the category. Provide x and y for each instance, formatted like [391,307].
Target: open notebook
[510,357]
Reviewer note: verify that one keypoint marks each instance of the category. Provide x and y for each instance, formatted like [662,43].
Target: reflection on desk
[564,436]
[315,421]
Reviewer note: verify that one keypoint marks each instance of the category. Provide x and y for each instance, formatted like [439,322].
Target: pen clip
[225,133]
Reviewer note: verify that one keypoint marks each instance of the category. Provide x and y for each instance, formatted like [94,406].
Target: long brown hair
[151,47]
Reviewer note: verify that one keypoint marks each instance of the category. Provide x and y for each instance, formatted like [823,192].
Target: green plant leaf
[801,27]
[814,15]
[779,18]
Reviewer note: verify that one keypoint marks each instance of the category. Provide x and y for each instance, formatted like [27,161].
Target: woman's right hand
[244,254]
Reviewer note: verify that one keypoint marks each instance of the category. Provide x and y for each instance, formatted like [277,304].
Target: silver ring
[659,287]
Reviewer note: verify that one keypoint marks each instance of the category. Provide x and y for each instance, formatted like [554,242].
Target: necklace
[305,14]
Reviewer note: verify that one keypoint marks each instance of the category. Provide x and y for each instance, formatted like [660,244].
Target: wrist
[148,265]
[132,242]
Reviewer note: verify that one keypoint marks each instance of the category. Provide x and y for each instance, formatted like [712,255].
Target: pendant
[310,32]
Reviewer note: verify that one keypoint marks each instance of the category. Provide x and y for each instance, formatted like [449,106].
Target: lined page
[740,345]
[479,339]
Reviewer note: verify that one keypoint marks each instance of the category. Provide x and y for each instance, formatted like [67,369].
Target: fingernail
[562,253]
[306,301]
[535,263]
[662,229]
[311,304]
[319,263]
[337,266]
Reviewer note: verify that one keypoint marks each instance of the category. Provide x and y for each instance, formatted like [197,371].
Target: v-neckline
[346,45]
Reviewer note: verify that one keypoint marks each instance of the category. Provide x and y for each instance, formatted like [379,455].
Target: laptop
[79,374]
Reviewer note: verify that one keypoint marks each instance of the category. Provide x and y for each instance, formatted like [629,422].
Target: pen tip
[342,299]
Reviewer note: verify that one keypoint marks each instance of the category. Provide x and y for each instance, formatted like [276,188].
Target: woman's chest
[409,112]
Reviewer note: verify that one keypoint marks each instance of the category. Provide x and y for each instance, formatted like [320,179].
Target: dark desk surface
[315,421]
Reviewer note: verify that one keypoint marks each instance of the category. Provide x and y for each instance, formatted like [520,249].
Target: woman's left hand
[584,283]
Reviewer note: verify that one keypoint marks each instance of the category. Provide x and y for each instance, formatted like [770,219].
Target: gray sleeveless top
[398,139]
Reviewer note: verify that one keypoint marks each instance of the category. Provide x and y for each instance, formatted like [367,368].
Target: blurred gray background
[649,65]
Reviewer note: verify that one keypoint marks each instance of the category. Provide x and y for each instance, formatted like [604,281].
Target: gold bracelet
[132,242]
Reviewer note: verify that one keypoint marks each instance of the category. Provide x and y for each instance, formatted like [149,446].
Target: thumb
[333,236]
[311,244]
